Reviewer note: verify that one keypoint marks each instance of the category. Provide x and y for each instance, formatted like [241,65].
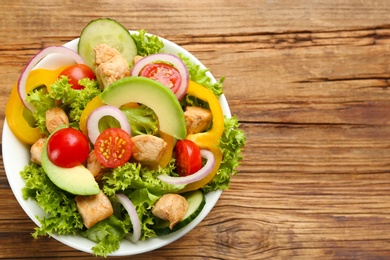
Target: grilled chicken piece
[171,207]
[95,167]
[36,150]
[111,66]
[104,53]
[137,58]
[55,117]
[148,149]
[94,208]
[197,119]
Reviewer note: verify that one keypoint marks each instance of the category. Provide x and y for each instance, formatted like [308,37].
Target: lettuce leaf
[91,89]
[147,44]
[142,120]
[143,188]
[231,142]
[62,215]
[62,94]
[199,75]
[132,176]
[143,201]
[41,100]
[107,234]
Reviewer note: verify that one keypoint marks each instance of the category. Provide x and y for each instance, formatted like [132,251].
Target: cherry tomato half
[67,148]
[77,72]
[113,147]
[164,73]
[188,159]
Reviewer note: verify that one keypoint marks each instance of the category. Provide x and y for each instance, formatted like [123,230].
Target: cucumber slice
[196,201]
[107,31]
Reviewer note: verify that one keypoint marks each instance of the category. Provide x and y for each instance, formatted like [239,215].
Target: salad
[125,142]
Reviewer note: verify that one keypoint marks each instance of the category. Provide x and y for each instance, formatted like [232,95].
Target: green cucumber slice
[107,31]
[196,201]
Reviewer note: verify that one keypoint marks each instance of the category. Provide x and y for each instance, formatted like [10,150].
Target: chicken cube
[95,167]
[137,58]
[171,207]
[197,119]
[55,117]
[94,208]
[104,53]
[36,150]
[148,149]
[111,65]
[112,70]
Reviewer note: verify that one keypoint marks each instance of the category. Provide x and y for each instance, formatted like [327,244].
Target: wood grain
[309,82]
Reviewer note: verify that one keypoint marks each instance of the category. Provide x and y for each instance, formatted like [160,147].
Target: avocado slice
[152,94]
[77,180]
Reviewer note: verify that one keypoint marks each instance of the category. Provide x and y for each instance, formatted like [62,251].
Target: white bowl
[16,155]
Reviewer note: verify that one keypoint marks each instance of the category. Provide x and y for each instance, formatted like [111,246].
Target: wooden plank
[309,81]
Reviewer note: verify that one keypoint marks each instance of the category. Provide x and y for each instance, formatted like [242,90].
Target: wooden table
[310,84]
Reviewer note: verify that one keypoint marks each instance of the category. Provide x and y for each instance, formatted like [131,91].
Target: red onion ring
[99,113]
[129,206]
[166,58]
[206,169]
[34,61]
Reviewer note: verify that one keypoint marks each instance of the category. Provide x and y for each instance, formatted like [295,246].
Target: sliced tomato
[67,148]
[163,73]
[113,147]
[77,72]
[187,157]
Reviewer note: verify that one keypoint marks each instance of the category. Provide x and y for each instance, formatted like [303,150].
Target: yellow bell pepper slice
[212,136]
[16,122]
[167,156]
[91,106]
[14,108]
[207,140]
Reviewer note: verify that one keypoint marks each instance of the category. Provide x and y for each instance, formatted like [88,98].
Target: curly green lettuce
[143,188]
[131,176]
[62,94]
[91,89]
[199,75]
[231,143]
[41,100]
[107,234]
[60,207]
[143,201]
[147,44]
